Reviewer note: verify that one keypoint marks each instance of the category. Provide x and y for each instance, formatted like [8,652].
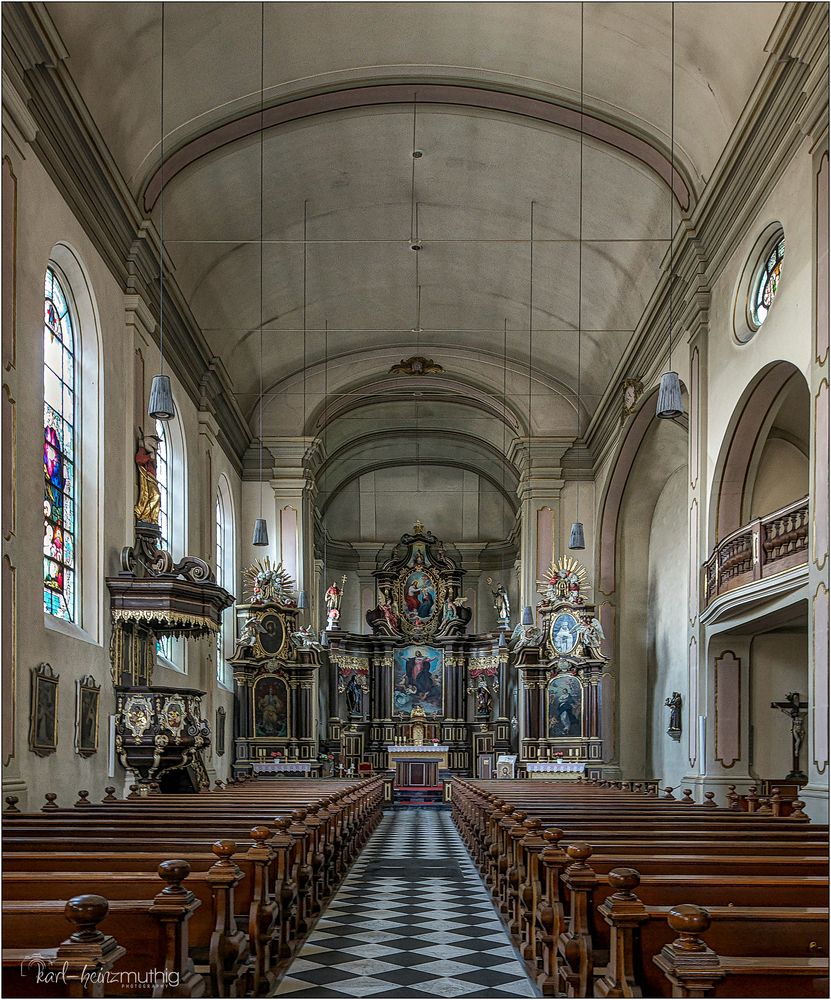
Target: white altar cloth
[283,767]
[556,767]
[422,748]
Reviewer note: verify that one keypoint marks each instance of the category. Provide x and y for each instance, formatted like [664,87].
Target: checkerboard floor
[412,919]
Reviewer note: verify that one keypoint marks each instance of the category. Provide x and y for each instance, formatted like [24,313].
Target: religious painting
[418,679]
[271,707]
[564,633]
[271,635]
[43,722]
[565,706]
[87,696]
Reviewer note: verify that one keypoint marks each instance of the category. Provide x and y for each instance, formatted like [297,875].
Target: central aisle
[412,919]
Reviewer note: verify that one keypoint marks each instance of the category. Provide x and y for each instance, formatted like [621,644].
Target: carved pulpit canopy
[420,586]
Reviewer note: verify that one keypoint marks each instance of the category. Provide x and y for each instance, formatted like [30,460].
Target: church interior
[427,438]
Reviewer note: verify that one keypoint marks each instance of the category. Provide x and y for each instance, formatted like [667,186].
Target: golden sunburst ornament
[564,581]
[264,583]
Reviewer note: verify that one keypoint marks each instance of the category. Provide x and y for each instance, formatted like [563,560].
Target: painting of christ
[417,679]
[270,707]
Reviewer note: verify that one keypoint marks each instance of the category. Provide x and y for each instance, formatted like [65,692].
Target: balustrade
[762,548]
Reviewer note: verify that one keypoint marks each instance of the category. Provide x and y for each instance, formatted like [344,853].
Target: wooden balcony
[763,548]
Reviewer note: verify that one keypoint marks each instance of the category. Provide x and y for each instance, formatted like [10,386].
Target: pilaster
[539,462]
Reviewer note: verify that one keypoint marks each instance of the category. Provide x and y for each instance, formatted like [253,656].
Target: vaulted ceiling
[488,93]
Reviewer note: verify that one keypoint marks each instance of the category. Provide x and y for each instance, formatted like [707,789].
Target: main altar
[417,693]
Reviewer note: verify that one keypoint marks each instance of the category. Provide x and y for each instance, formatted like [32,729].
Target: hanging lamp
[670,401]
[260,535]
[160,405]
[528,616]
[577,537]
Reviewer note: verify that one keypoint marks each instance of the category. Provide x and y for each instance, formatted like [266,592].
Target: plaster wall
[778,665]
[107,492]
[666,625]
[782,477]
[785,334]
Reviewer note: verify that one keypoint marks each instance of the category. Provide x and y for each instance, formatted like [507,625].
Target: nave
[412,919]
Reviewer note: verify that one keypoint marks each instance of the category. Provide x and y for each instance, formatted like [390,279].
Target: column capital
[539,462]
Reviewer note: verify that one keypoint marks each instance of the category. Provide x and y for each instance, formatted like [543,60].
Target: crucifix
[797,711]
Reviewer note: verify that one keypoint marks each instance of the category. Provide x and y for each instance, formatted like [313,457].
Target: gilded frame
[261,680]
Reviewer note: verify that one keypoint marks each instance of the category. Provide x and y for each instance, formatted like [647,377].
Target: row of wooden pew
[244,870]
[610,892]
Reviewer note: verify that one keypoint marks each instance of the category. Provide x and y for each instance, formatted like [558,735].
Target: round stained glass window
[766,283]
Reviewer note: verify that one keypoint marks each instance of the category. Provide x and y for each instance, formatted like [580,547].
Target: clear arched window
[163,479]
[220,579]
[767,281]
[225,572]
[60,497]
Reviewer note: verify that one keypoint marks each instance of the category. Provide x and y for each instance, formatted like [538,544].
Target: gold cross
[418,528]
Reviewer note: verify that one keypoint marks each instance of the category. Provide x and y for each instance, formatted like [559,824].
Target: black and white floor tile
[412,919]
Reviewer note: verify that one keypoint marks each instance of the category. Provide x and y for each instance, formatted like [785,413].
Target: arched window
[60,498]
[767,281]
[171,475]
[162,477]
[225,572]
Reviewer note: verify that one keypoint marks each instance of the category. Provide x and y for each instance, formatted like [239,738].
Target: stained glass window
[767,282]
[60,515]
[220,579]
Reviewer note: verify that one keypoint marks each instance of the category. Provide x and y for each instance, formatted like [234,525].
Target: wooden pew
[692,969]
[78,967]
[157,928]
[550,899]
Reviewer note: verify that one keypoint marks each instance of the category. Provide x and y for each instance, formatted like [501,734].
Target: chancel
[415,500]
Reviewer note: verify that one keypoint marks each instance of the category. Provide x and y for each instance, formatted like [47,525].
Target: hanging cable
[670,401]
[160,405]
[577,539]
[260,536]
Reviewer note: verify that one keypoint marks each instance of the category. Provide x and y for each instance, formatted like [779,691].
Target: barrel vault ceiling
[490,91]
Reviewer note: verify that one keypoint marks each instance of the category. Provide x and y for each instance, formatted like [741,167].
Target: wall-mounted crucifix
[797,711]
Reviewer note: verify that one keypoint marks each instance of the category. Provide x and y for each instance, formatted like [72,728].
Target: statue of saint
[149,503]
[673,703]
[501,604]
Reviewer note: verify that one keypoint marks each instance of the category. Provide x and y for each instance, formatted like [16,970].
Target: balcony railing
[766,546]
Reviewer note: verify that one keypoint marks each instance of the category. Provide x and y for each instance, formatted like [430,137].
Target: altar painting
[418,679]
[565,706]
[271,699]
[420,598]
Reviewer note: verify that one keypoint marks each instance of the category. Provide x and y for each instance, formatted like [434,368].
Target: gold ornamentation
[173,618]
[267,584]
[632,389]
[148,505]
[416,365]
[564,581]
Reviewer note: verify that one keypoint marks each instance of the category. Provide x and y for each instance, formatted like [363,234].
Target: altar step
[418,795]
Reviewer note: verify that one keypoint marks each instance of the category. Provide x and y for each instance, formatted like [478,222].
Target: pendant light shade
[502,643]
[670,403]
[577,540]
[260,536]
[301,600]
[527,616]
[324,638]
[161,406]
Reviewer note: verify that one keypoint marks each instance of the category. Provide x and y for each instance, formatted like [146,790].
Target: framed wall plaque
[43,718]
[219,739]
[87,700]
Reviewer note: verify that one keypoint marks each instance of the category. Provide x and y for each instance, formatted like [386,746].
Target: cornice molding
[72,151]
[788,102]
